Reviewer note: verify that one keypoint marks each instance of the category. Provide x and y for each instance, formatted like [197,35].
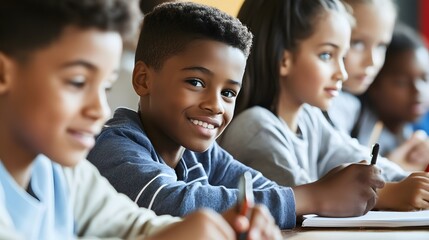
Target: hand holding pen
[245,194]
[261,223]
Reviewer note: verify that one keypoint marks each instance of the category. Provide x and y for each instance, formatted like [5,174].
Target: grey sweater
[261,140]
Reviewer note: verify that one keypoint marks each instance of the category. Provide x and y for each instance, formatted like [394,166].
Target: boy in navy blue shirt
[189,67]
[57,59]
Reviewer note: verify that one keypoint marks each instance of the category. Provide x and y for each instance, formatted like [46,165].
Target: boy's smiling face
[55,102]
[190,100]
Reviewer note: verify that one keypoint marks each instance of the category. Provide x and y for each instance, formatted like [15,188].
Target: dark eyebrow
[198,69]
[230,81]
[81,63]
[206,71]
[329,44]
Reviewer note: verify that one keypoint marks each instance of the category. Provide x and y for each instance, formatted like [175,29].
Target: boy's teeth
[203,124]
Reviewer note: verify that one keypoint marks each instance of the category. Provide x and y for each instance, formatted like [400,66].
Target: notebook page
[371,219]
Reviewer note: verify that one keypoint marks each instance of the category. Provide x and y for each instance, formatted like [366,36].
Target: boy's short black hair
[27,25]
[168,29]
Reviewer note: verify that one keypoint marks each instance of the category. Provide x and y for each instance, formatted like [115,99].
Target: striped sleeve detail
[154,196]
[257,177]
[265,184]
[198,165]
[153,179]
[196,180]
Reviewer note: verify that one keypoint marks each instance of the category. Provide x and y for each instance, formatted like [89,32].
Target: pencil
[375,133]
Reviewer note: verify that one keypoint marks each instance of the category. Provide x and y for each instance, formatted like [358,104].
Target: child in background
[395,98]
[57,59]
[295,69]
[372,34]
[189,67]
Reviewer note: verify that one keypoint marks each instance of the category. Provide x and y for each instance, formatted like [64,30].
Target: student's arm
[413,153]
[101,212]
[224,170]
[344,192]
[133,168]
[402,192]
[261,141]
[410,194]
[337,148]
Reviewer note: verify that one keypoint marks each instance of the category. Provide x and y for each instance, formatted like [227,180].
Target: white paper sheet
[371,219]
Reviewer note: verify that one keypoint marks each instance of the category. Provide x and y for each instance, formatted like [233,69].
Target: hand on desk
[345,191]
[413,154]
[410,194]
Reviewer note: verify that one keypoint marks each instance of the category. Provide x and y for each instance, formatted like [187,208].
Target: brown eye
[195,82]
[229,93]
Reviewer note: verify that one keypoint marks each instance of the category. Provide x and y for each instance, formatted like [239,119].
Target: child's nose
[98,108]
[213,103]
[341,74]
[420,86]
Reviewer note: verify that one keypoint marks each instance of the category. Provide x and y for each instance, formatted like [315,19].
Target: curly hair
[27,25]
[168,29]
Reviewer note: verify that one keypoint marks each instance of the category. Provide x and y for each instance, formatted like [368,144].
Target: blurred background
[415,13]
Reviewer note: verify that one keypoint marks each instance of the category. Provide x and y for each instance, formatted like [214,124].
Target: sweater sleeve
[101,212]
[338,148]
[134,169]
[266,146]
[226,171]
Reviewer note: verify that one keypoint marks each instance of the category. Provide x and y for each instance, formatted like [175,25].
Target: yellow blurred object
[229,6]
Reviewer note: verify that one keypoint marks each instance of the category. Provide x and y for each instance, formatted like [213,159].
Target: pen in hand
[374,153]
[245,198]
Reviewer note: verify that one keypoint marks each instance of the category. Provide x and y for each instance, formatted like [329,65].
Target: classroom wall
[229,6]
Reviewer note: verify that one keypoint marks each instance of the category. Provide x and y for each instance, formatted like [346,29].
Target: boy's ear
[285,63]
[5,74]
[141,79]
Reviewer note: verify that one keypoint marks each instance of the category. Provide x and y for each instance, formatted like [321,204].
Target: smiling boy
[189,67]
[57,59]
[190,61]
